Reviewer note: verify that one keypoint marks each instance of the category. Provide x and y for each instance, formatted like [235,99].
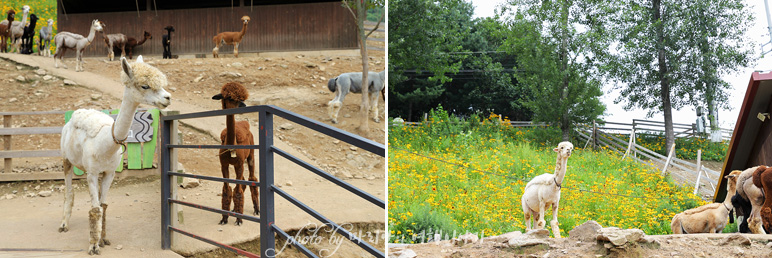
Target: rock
[286,126]
[31,194]
[21,78]
[40,72]
[119,247]
[69,83]
[585,232]
[344,174]
[538,233]
[198,79]
[237,65]
[519,242]
[619,237]
[12,100]
[231,74]
[96,96]
[467,238]
[198,63]
[504,238]
[321,68]
[310,65]
[173,89]
[407,253]
[769,245]
[284,66]
[352,148]
[10,196]
[188,183]
[336,141]
[736,239]
[19,67]
[47,77]
[45,193]
[37,187]
[288,183]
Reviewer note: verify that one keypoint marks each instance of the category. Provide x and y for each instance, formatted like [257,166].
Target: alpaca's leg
[107,181]
[226,191]
[374,107]
[236,49]
[554,222]
[123,51]
[110,52]
[68,196]
[253,189]
[238,195]
[95,214]
[541,222]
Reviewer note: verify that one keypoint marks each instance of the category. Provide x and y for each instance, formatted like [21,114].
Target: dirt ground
[293,81]
[698,245]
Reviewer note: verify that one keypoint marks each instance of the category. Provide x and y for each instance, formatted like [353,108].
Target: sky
[758,33]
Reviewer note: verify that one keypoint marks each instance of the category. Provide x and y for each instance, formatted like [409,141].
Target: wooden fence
[139,155]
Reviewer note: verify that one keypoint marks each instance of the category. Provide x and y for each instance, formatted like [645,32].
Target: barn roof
[99,6]
[751,144]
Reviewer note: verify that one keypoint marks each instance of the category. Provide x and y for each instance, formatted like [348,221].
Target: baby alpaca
[543,191]
[709,218]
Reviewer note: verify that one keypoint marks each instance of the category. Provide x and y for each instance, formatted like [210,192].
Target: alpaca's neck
[169,34]
[729,194]
[23,20]
[142,41]
[125,117]
[560,169]
[91,35]
[230,127]
[243,30]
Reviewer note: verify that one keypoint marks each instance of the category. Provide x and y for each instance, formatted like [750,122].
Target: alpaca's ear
[140,60]
[217,97]
[126,67]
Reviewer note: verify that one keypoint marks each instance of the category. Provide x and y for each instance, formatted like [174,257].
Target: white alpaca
[543,191]
[91,141]
[17,29]
[68,40]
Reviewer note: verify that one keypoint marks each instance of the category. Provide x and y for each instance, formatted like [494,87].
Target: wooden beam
[9,177]
[30,130]
[29,154]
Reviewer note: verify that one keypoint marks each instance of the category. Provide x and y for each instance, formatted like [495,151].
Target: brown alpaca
[763,180]
[233,95]
[708,218]
[748,201]
[131,43]
[5,30]
[230,38]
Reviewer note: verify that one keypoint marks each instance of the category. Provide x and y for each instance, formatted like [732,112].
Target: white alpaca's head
[25,9]
[50,22]
[564,149]
[145,83]
[97,25]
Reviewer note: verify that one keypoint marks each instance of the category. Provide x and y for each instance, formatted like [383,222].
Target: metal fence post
[7,142]
[267,239]
[165,184]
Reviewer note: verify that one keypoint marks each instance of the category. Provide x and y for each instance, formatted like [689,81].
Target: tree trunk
[664,80]
[365,107]
[565,121]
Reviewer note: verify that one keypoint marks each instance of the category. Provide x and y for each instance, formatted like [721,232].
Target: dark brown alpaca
[5,30]
[233,95]
[131,43]
[763,179]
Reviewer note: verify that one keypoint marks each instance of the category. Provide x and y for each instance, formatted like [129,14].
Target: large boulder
[620,237]
[586,232]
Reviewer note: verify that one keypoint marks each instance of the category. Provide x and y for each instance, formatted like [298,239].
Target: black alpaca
[29,32]
[167,39]
[743,208]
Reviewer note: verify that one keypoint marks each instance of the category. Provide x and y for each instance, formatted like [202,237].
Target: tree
[662,62]
[360,16]
[422,34]
[556,43]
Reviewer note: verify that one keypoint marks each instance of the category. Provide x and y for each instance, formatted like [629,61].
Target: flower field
[450,178]
[43,9]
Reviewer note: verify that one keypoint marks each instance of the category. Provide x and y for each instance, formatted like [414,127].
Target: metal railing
[265,153]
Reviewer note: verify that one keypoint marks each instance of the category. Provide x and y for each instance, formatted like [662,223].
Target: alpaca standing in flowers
[44,44]
[5,30]
[748,202]
[543,191]
[708,218]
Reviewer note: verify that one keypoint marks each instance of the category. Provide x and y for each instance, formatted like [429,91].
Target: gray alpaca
[68,40]
[352,82]
[44,46]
